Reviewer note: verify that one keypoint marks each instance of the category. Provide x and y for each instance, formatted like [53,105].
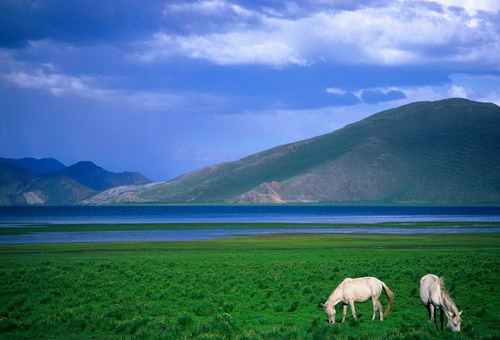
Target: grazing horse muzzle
[454,322]
[330,312]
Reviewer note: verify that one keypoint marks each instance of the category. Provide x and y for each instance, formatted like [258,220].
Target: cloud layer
[401,32]
[169,86]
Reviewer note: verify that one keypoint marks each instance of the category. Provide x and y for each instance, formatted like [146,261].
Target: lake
[209,234]
[245,214]
[403,219]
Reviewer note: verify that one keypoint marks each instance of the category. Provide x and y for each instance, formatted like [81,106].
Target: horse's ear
[322,305]
[460,313]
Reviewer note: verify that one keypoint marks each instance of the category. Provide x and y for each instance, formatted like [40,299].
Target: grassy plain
[263,287]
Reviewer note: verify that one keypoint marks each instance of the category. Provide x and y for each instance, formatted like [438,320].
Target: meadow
[263,287]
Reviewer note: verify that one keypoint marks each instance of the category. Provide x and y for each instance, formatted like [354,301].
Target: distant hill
[36,166]
[96,178]
[438,152]
[13,181]
[69,185]
[19,186]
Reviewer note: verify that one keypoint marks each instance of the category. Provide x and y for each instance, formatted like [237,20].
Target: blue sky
[166,87]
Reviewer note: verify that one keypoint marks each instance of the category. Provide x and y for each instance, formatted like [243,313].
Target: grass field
[264,287]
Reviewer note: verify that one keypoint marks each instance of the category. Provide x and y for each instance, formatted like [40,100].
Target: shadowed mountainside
[96,178]
[445,151]
[36,166]
[70,185]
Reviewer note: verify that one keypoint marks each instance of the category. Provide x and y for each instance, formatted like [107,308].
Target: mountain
[19,186]
[36,166]
[96,178]
[70,185]
[445,152]
[13,181]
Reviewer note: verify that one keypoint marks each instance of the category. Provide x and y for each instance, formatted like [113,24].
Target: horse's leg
[431,312]
[353,310]
[380,310]
[374,308]
[428,310]
[344,311]
[441,318]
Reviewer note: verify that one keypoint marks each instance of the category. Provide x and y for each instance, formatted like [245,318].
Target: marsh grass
[266,287]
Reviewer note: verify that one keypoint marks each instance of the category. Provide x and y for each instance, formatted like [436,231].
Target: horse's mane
[448,302]
[333,294]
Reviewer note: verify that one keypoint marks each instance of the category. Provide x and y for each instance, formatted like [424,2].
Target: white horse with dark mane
[434,295]
[358,290]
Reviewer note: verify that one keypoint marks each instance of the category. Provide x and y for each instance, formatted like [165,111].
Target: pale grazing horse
[434,295]
[358,290]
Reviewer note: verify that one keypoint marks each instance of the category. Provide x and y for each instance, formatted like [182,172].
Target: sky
[166,87]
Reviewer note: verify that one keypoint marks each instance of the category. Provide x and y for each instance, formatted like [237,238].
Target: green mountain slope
[427,152]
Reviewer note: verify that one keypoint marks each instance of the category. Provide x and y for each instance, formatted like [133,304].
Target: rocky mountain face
[445,152]
[29,181]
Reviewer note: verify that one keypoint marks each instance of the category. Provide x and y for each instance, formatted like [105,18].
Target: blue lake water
[245,214]
[20,216]
[208,234]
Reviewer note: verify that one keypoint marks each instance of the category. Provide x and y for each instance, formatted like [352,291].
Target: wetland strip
[210,234]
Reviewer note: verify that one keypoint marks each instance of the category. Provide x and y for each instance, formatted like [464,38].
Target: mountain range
[440,152]
[30,181]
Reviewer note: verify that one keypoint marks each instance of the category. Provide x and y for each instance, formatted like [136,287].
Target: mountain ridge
[66,186]
[439,152]
[37,166]
[97,178]
[444,151]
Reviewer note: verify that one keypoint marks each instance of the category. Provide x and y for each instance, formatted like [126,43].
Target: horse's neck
[334,297]
[448,304]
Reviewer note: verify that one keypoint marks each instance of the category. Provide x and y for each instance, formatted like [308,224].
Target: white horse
[434,295]
[358,290]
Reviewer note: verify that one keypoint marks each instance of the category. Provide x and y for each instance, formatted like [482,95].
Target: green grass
[264,287]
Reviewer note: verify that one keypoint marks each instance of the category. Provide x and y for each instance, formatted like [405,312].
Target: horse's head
[329,311]
[454,321]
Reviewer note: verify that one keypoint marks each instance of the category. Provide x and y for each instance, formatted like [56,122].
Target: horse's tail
[390,296]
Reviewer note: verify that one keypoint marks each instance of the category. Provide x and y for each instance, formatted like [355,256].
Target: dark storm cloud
[377,96]
[90,21]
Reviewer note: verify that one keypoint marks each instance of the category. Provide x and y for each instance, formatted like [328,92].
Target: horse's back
[365,279]
[429,277]
[362,288]
[429,287]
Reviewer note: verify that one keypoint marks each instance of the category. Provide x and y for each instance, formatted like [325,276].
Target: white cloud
[461,86]
[337,91]
[404,32]
[457,91]
[225,49]
[46,78]
[471,6]
[208,7]
[57,84]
